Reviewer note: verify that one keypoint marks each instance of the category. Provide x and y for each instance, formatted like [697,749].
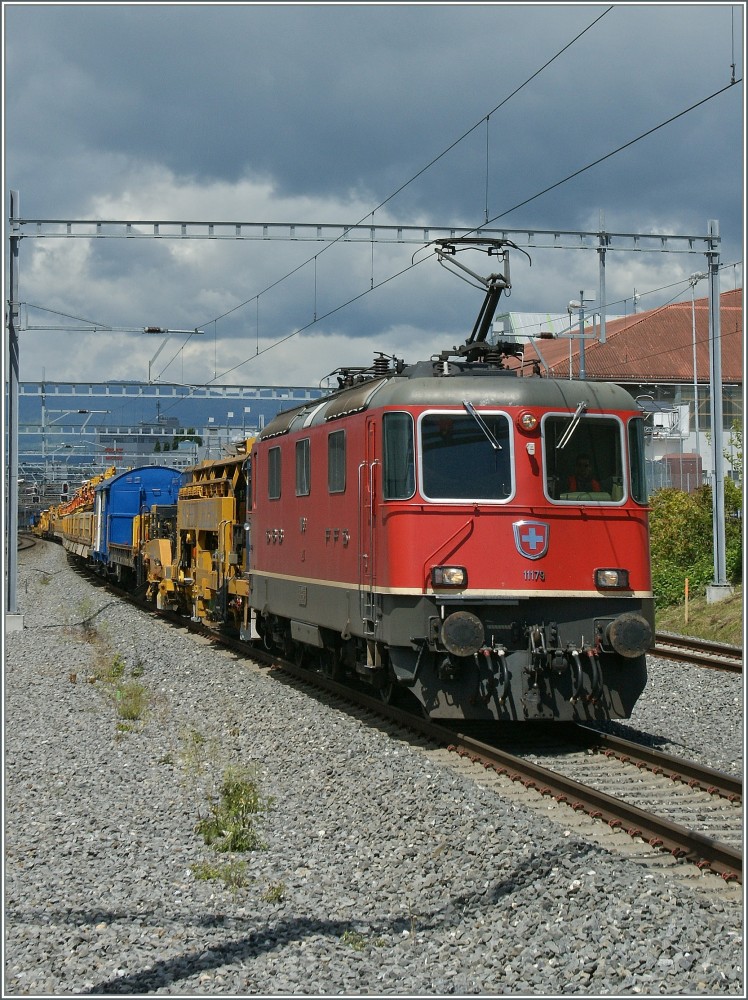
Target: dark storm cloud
[325,96]
[176,111]
[329,98]
[318,96]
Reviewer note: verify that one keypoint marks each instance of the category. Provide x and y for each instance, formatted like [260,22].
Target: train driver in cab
[582,480]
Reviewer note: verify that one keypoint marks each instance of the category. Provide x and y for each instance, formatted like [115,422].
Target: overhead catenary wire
[614,152]
[330,312]
[423,169]
[360,295]
[419,173]
[501,215]
[616,302]
[402,187]
[486,119]
[664,305]
[373,285]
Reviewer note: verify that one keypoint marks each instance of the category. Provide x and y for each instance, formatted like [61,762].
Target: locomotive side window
[583,458]
[303,468]
[336,462]
[465,459]
[274,474]
[636,460]
[399,472]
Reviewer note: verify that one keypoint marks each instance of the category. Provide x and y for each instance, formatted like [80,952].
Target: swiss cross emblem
[531,538]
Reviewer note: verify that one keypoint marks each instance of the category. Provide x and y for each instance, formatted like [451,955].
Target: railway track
[717,655]
[652,796]
[675,805]
[669,804]
[25,541]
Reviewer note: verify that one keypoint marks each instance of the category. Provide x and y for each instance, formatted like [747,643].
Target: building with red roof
[652,355]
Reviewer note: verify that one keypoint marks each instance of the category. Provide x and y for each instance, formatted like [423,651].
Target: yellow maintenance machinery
[71,522]
[197,560]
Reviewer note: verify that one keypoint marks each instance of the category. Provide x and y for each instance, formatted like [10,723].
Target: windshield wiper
[572,426]
[482,424]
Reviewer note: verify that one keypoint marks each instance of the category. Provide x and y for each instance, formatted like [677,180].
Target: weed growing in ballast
[230,826]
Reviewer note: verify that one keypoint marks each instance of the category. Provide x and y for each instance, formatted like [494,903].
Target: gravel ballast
[383,872]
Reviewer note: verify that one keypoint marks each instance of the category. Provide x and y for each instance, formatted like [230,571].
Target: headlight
[527,421]
[448,576]
[612,579]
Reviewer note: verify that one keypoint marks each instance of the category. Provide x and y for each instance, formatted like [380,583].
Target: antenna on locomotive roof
[495,284]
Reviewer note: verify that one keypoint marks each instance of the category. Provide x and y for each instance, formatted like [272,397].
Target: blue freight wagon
[122,508]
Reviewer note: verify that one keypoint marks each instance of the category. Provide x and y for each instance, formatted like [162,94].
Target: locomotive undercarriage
[532,668]
[583,660]
[575,682]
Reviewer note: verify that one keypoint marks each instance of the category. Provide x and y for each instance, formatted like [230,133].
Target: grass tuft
[354,939]
[230,826]
[274,893]
[234,874]
[131,700]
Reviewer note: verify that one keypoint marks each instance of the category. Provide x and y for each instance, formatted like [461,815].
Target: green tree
[681,540]
[189,435]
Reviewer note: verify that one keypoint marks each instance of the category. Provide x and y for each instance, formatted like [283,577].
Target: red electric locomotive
[449,528]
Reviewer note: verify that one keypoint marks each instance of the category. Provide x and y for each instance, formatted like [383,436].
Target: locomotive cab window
[583,459]
[465,456]
[399,476]
[636,460]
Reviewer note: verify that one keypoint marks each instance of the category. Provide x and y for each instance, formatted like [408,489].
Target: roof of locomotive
[424,385]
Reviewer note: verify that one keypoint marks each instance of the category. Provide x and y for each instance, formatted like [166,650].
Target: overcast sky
[324,113]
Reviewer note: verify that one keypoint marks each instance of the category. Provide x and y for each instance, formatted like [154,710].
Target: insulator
[381,365]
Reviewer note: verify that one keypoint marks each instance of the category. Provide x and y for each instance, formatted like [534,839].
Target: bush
[681,541]
[668,581]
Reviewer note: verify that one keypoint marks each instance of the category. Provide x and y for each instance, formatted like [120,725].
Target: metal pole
[601,255]
[44,416]
[720,587]
[13,621]
[582,373]
[694,279]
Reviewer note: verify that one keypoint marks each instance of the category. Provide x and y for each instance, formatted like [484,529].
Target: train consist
[454,529]
[107,522]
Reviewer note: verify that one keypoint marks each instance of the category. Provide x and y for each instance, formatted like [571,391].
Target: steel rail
[717,655]
[658,762]
[705,852]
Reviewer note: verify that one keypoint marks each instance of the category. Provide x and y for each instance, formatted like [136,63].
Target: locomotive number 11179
[535,574]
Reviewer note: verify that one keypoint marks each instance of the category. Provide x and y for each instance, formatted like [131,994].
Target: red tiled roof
[655,346]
